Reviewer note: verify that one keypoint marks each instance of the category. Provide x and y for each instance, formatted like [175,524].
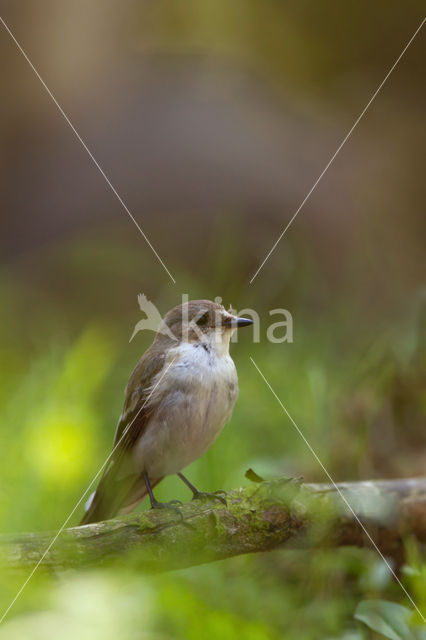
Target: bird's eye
[203,320]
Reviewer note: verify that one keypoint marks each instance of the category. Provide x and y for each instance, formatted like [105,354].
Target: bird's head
[204,322]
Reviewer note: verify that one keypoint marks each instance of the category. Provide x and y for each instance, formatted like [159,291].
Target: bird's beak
[235,321]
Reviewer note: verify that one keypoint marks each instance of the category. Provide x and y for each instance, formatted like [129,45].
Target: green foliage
[387,618]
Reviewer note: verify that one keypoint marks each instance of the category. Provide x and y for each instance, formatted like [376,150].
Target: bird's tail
[97,509]
[103,505]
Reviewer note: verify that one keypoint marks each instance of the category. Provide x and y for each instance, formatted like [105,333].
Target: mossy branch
[257,518]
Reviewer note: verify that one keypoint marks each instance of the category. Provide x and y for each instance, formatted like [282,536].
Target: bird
[178,398]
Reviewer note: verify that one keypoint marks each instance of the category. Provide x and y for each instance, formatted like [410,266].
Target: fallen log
[257,518]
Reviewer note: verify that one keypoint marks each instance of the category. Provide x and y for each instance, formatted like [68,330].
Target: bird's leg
[198,495]
[173,504]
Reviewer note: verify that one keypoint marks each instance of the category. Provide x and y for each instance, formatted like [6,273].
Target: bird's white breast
[193,400]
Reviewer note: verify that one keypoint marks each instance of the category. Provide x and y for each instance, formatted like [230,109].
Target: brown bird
[177,401]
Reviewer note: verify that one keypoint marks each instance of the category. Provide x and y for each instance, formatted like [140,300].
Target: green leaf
[387,618]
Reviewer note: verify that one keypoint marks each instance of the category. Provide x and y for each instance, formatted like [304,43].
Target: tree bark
[260,517]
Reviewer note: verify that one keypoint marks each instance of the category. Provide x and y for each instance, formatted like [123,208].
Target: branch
[258,518]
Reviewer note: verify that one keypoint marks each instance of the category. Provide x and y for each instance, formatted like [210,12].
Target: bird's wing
[119,482]
[138,390]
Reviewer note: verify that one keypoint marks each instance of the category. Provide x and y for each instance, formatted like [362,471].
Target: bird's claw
[173,505]
[214,495]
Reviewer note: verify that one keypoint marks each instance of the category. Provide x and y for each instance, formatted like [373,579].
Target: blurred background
[212,120]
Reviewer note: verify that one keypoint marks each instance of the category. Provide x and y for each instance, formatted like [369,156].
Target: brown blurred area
[199,111]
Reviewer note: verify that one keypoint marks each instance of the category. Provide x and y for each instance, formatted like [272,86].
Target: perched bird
[177,401]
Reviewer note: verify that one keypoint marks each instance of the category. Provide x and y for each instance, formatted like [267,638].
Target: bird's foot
[173,505]
[214,495]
